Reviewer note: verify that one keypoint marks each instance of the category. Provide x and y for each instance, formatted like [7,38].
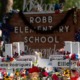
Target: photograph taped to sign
[27,58]
[56,57]
[60,63]
[74,64]
[16,64]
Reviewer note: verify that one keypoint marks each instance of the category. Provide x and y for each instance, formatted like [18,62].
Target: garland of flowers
[56,27]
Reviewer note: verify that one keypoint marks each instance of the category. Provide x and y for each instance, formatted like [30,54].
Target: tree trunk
[61,1]
[2,11]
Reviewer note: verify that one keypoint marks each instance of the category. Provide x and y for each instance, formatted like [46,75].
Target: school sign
[44,32]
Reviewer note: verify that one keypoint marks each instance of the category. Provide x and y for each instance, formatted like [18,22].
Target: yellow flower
[17,73]
[67,73]
[6,78]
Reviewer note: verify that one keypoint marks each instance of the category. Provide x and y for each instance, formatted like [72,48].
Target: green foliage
[46,1]
[0,11]
[56,1]
[51,1]
[68,3]
[0,5]
[71,3]
[18,4]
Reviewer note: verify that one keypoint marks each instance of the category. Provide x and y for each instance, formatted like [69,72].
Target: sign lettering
[46,44]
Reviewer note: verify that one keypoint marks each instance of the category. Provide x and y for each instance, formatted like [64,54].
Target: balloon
[57,6]
[8,74]
[73,56]
[11,59]
[76,56]
[8,58]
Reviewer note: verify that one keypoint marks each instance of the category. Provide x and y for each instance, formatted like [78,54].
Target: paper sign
[65,63]
[43,63]
[16,64]
[60,63]
[56,57]
[8,50]
[27,58]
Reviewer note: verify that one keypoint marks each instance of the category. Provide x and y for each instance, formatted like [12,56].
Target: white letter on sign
[31,20]
[44,20]
[49,19]
[16,29]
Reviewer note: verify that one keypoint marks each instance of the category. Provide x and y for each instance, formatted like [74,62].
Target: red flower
[3,59]
[11,59]
[57,11]
[55,77]
[67,57]
[34,69]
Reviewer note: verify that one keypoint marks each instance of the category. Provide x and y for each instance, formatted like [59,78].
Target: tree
[71,3]
[18,4]
[5,7]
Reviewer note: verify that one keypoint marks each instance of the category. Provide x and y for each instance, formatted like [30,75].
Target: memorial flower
[34,73]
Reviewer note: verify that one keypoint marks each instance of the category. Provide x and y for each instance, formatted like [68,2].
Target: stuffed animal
[23,74]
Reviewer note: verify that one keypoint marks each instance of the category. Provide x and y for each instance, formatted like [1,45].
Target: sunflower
[66,73]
